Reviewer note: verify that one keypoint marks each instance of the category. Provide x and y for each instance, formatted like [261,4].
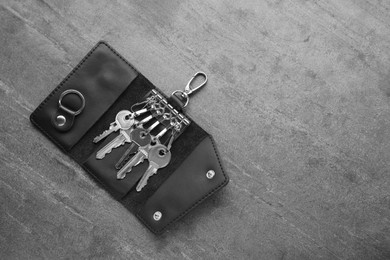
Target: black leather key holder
[135,141]
[70,104]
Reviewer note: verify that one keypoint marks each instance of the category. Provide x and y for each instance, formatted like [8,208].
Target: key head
[159,155]
[140,137]
[125,119]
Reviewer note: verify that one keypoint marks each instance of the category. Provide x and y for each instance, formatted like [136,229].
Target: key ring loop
[167,116]
[183,94]
[72,91]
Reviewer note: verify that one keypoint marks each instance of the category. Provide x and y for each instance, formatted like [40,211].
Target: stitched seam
[195,203]
[120,56]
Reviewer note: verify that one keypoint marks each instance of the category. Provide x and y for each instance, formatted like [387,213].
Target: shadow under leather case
[109,84]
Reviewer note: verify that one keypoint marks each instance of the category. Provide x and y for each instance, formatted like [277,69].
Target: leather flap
[100,77]
[185,188]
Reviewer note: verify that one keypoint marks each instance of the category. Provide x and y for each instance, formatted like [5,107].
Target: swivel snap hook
[188,90]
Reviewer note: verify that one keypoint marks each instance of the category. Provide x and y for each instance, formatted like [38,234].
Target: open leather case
[109,84]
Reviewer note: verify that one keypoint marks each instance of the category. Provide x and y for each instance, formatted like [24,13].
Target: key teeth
[118,166]
[100,156]
[100,137]
[110,146]
[145,178]
[122,173]
[125,158]
[143,182]
[141,185]
[97,139]
[121,176]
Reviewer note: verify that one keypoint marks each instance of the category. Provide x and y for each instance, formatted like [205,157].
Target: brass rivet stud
[157,215]
[210,174]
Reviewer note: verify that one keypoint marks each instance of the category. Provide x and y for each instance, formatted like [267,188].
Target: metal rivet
[210,174]
[157,215]
[61,120]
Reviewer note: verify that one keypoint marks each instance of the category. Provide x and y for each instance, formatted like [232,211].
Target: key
[123,120]
[158,156]
[141,138]
[114,143]
[125,157]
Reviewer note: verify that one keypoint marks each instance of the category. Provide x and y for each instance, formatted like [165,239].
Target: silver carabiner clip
[188,90]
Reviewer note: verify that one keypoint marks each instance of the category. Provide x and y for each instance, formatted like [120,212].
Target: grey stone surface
[298,102]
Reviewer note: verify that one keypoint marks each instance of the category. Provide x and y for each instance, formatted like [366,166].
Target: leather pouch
[108,84]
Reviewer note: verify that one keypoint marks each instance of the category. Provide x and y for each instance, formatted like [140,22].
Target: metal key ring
[72,91]
[167,116]
[183,94]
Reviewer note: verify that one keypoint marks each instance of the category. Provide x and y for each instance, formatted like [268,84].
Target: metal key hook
[188,90]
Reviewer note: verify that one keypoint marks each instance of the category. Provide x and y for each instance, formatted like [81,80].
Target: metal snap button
[157,215]
[61,120]
[210,174]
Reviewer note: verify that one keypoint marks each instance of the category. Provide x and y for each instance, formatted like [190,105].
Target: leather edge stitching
[119,56]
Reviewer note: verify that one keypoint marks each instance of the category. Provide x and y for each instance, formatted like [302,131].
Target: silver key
[123,120]
[158,156]
[125,157]
[142,138]
[114,143]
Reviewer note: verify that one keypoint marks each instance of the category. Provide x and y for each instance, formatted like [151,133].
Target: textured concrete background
[298,102]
